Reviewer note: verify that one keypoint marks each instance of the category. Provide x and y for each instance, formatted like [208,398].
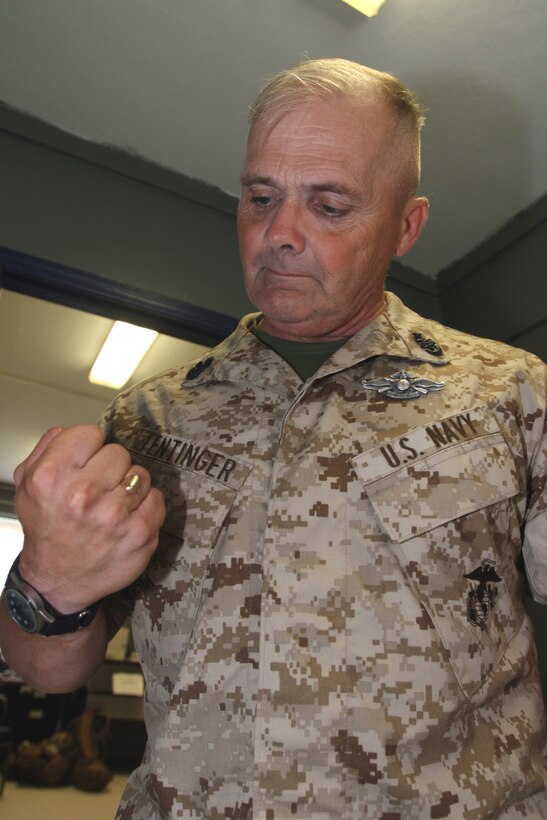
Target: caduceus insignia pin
[402,385]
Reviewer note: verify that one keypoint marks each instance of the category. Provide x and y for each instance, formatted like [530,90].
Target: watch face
[33,613]
[21,610]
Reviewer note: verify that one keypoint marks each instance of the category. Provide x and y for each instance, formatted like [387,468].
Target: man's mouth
[284,274]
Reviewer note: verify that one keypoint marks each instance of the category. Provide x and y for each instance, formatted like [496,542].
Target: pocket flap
[199,483]
[437,473]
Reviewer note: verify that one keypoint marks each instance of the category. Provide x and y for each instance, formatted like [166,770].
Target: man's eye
[261,201]
[330,210]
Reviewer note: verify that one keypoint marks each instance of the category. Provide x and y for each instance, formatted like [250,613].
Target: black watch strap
[33,613]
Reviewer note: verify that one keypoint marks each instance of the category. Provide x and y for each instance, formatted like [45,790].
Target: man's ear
[413,219]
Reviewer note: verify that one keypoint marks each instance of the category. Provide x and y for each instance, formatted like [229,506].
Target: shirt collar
[398,332]
[395,333]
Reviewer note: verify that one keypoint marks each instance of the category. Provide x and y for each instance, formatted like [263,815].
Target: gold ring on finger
[132,483]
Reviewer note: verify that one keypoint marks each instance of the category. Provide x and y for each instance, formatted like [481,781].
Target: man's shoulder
[154,395]
[458,344]
[463,343]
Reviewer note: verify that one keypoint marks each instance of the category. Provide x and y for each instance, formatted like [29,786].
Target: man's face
[318,220]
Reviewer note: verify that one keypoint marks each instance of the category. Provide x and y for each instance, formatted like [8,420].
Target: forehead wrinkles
[292,139]
[334,136]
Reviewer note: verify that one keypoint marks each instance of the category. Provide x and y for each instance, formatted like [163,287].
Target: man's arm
[59,663]
[86,537]
[535,528]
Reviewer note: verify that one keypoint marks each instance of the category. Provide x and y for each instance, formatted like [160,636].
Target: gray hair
[343,79]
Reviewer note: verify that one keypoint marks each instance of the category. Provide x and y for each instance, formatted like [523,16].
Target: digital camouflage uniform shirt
[333,623]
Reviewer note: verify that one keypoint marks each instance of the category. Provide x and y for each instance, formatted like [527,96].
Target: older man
[332,623]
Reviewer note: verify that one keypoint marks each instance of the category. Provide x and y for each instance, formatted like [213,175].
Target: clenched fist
[90,526]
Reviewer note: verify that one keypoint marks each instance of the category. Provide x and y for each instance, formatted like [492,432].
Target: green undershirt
[304,357]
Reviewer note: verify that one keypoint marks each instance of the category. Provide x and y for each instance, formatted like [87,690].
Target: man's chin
[288,322]
[284,309]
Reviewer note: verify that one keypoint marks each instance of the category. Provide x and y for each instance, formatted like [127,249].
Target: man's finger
[77,445]
[36,453]
[107,467]
[136,485]
[152,509]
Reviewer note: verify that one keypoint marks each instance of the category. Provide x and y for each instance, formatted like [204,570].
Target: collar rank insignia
[402,386]
[198,369]
[481,599]
[430,345]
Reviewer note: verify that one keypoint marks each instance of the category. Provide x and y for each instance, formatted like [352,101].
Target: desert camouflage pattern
[333,624]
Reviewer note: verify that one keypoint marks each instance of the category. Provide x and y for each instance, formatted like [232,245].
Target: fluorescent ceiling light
[370,8]
[124,348]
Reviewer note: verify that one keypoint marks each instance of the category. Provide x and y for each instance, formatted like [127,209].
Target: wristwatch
[34,614]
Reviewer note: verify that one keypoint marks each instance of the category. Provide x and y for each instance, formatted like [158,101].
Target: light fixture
[122,351]
[369,8]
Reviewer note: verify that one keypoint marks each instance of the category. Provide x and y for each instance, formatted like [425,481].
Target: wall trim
[7,499]
[73,288]
[120,161]
[413,278]
[513,339]
[513,230]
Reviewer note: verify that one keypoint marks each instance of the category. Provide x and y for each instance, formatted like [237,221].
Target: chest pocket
[199,485]
[200,492]
[444,496]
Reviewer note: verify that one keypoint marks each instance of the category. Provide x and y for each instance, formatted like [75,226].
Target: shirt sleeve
[535,529]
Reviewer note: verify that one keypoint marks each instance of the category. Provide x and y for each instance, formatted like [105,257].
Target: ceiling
[171,80]
[46,352]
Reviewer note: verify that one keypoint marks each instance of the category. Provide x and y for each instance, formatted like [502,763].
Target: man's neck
[314,331]
[304,357]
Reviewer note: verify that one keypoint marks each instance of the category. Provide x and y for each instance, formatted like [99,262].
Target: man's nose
[285,229]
